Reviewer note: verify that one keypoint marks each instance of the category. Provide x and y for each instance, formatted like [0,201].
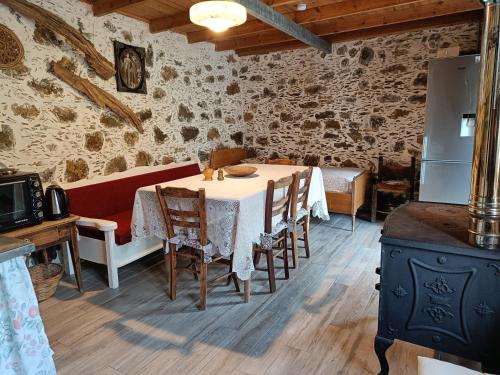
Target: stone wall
[193,102]
[345,109]
[365,99]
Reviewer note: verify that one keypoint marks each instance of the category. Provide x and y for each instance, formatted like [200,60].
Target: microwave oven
[21,200]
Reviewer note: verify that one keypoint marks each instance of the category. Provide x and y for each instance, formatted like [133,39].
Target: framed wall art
[11,49]
[130,68]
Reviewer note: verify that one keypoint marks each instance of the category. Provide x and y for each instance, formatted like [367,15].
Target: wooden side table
[50,233]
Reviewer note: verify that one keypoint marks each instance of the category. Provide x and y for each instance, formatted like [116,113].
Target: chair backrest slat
[228,156]
[300,193]
[280,202]
[283,182]
[193,218]
[281,205]
[175,192]
[279,210]
[184,213]
[185,224]
[397,172]
[303,189]
[282,161]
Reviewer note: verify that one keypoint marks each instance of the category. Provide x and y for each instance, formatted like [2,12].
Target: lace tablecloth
[235,210]
[24,347]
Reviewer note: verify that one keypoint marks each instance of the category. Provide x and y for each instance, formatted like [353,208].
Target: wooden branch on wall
[96,94]
[104,68]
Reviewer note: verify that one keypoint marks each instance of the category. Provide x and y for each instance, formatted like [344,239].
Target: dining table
[235,209]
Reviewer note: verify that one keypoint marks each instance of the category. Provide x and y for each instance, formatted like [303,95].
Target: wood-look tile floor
[321,321]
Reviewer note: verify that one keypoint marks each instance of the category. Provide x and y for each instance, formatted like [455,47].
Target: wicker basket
[45,278]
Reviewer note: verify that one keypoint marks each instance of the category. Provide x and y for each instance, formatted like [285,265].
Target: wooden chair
[392,179]
[273,242]
[227,156]
[299,213]
[190,240]
[281,161]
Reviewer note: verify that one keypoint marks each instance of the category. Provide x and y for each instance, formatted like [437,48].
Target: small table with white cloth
[235,211]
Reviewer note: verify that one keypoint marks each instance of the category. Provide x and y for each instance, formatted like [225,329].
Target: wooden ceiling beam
[282,23]
[439,21]
[454,19]
[411,12]
[268,48]
[169,22]
[181,19]
[323,13]
[279,3]
[103,7]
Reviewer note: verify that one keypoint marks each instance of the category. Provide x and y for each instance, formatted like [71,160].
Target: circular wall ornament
[11,49]
[130,68]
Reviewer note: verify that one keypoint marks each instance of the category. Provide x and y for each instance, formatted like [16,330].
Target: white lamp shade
[218,15]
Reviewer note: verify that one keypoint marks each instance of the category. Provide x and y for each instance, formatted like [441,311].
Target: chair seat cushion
[181,240]
[123,233]
[267,239]
[393,186]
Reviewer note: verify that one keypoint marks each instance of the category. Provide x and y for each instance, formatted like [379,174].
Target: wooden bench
[105,206]
[345,190]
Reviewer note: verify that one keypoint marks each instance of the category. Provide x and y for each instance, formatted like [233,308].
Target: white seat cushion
[339,179]
[430,366]
[267,239]
[183,240]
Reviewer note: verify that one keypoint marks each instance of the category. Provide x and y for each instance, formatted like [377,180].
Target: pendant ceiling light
[218,15]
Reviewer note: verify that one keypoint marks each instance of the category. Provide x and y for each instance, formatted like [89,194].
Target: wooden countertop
[46,224]
[13,247]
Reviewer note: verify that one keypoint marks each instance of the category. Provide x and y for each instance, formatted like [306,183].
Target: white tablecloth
[24,347]
[235,210]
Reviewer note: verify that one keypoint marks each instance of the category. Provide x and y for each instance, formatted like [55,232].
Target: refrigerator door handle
[424,147]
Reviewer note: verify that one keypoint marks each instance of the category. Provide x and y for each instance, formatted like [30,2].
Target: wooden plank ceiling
[333,20]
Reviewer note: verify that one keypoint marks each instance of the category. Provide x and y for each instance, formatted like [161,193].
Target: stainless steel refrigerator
[452,87]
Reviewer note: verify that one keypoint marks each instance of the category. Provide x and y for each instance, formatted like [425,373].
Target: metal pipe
[484,201]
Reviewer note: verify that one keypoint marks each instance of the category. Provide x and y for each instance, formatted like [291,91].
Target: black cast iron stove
[436,290]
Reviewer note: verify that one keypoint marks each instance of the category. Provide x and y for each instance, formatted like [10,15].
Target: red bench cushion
[123,233]
[114,200]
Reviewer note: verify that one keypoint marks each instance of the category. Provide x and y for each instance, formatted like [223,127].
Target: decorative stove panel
[442,297]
